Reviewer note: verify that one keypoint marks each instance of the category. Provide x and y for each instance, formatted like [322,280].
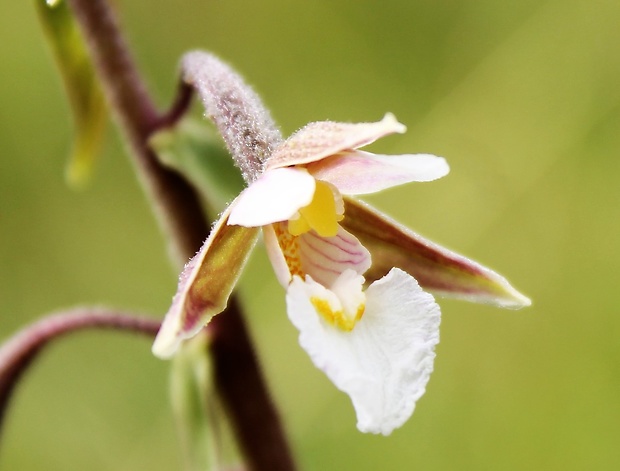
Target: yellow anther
[337,318]
[298,226]
[319,215]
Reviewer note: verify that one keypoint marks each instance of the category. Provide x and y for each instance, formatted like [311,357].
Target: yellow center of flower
[320,215]
[340,318]
[290,248]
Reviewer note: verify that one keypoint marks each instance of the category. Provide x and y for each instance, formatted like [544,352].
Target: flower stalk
[22,349]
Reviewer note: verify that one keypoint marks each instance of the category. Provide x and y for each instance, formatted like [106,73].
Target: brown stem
[22,349]
[238,380]
[179,106]
[244,393]
[177,206]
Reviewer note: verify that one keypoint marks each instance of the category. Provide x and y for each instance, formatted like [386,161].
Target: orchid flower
[355,280]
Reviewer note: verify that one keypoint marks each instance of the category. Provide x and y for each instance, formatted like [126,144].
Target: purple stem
[176,203]
[180,106]
[24,347]
[238,376]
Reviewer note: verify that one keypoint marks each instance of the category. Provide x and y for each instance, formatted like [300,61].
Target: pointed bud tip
[518,301]
[390,120]
[510,298]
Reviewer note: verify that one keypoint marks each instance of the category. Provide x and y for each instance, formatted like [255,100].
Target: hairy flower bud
[240,116]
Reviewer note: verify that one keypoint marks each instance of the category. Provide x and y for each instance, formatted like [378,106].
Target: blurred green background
[521,96]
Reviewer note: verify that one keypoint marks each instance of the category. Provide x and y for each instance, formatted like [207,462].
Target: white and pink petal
[275,196]
[321,139]
[385,362]
[357,172]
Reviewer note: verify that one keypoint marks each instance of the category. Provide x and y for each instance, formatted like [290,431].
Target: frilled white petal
[325,258]
[385,362]
[276,196]
[358,172]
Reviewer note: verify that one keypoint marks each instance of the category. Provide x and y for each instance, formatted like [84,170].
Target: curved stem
[22,349]
[179,106]
[241,384]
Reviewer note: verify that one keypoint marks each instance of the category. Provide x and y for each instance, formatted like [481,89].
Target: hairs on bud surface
[244,123]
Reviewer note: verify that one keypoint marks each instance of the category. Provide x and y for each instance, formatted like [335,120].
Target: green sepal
[80,81]
[197,152]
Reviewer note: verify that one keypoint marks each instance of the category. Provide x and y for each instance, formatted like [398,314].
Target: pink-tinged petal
[436,268]
[318,140]
[385,362]
[357,172]
[276,257]
[275,196]
[326,258]
[205,284]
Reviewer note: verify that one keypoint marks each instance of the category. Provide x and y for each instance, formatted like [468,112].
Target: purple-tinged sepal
[436,268]
[205,284]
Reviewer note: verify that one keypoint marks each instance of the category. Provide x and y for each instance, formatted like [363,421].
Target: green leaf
[85,95]
[196,151]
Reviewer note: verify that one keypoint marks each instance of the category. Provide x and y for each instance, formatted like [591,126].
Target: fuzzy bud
[243,121]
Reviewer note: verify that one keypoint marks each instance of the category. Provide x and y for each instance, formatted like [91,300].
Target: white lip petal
[385,362]
[357,172]
[276,196]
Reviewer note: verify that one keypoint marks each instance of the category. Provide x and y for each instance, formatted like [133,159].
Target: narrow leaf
[85,95]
